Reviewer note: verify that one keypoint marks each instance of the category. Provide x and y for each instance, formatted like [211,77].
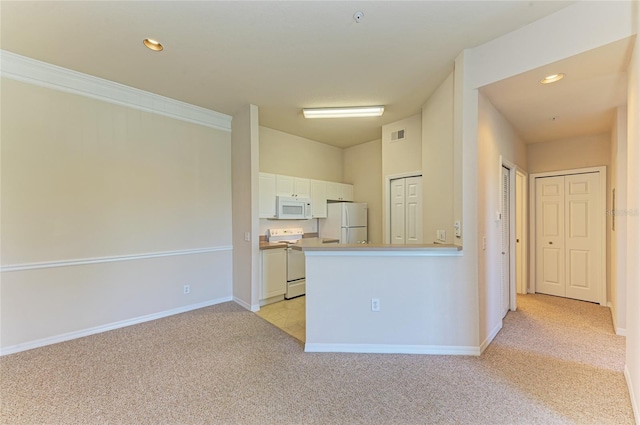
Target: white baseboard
[619,331]
[241,303]
[108,327]
[490,337]
[392,349]
[634,404]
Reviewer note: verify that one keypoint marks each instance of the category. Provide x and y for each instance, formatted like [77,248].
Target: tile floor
[288,315]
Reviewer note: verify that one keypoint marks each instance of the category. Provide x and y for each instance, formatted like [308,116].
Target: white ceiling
[283,56]
[580,104]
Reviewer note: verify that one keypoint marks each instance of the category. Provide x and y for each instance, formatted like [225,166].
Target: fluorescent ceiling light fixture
[153,44]
[552,78]
[358,111]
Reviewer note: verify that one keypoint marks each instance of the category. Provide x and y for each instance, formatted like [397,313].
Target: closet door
[583,244]
[398,208]
[569,245]
[406,210]
[550,273]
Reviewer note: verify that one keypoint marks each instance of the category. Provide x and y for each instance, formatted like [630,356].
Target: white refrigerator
[346,221]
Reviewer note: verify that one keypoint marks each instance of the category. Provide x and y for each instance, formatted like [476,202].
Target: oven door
[295,265]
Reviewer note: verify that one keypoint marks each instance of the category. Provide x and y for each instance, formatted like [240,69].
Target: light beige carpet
[556,361]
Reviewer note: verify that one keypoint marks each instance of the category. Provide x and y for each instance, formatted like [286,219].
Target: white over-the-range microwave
[288,208]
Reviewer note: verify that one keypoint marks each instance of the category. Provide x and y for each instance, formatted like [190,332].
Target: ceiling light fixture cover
[153,44]
[354,112]
[552,78]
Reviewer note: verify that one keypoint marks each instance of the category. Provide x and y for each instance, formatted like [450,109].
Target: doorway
[505,266]
[568,234]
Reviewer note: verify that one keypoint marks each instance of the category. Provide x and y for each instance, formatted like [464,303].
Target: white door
[583,244]
[506,235]
[397,211]
[550,236]
[413,210]
[521,211]
[406,210]
[568,236]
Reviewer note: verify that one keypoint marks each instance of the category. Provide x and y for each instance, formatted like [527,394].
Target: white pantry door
[406,210]
[568,236]
[398,207]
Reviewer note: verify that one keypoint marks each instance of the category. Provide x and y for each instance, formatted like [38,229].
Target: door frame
[602,171]
[513,170]
[387,200]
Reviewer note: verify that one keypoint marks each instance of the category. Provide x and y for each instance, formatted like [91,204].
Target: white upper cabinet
[339,192]
[292,186]
[318,198]
[267,194]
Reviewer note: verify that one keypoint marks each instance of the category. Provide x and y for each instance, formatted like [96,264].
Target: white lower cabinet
[274,273]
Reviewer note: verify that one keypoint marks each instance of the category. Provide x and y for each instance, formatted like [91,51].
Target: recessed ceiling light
[552,78]
[153,44]
[355,112]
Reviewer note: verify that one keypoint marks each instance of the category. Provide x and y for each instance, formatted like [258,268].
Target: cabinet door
[301,187]
[284,185]
[274,273]
[346,192]
[339,191]
[318,198]
[267,193]
[333,191]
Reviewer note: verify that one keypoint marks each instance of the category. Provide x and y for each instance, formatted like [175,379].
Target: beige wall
[244,160]
[632,368]
[363,169]
[578,152]
[496,139]
[437,163]
[89,181]
[283,153]
[617,294]
[402,156]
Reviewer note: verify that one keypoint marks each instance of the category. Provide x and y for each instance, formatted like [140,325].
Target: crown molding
[31,71]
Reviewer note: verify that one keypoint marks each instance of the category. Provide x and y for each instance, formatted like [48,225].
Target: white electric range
[296,283]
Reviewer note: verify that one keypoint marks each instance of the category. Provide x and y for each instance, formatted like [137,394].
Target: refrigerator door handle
[346,214]
[347,240]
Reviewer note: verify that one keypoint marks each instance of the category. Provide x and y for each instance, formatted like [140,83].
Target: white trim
[619,331]
[525,225]
[96,260]
[443,252]
[490,337]
[245,305]
[108,327]
[392,349]
[602,171]
[31,71]
[634,405]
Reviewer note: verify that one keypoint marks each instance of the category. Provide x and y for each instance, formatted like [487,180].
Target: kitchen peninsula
[387,299]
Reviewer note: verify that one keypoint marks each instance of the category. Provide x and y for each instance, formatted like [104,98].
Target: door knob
[550,243]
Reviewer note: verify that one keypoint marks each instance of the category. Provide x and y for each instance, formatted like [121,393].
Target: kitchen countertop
[381,247]
[303,243]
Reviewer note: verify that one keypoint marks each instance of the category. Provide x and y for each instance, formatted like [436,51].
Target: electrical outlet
[187,289]
[458,229]
[375,304]
[247,236]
